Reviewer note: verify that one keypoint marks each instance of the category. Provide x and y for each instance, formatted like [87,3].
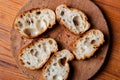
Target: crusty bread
[86,46]
[36,54]
[73,19]
[34,22]
[57,68]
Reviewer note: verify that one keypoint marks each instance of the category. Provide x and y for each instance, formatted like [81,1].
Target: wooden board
[79,69]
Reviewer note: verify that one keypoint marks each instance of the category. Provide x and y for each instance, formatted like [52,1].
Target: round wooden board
[81,70]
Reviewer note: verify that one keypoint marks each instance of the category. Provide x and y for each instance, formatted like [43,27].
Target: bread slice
[34,22]
[86,46]
[36,54]
[73,19]
[57,68]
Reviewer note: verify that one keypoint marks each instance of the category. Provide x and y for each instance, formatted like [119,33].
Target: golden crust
[27,12]
[80,39]
[52,59]
[66,26]
[30,45]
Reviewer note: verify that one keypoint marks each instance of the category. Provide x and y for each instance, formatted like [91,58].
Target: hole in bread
[36,54]
[19,24]
[28,22]
[62,13]
[27,31]
[31,51]
[63,19]
[50,41]
[30,32]
[39,60]
[37,13]
[93,42]
[28,63]
[98,37]
[55,64]
[55,77]
[32,20]
[39,46]
[52,70]
[44,47]
[62,61]
[48,70]
[76,20]
[86,40]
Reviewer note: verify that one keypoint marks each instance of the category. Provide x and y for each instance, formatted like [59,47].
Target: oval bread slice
[34,22]
[57,68]
[36,54]
[73,19]
[86,46]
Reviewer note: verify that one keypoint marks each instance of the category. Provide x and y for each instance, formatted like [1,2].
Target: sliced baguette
[36,54]
[57,68]
[86,46]
[34,22]
[73,19]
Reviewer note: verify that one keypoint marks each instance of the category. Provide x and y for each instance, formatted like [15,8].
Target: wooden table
[109,71]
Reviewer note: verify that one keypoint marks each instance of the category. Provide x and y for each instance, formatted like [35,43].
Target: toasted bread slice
[86,46]
[34,22]
[57,68]
[36,54]
[73,19]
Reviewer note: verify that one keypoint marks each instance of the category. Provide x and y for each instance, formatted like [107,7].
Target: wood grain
[109,71]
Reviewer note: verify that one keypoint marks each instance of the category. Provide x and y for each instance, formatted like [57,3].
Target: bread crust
[66,26]
[28,12]
[54,56]
[31,45]
[95,46]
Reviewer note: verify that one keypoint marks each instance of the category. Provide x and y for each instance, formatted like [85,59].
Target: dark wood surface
[8,68]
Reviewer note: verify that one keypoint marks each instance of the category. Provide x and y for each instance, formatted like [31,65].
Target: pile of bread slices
[36,55]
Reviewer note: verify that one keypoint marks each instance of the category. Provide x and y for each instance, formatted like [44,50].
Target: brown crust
[61,22]
[30,45]
[50,61]
[29,11]
[91,54]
